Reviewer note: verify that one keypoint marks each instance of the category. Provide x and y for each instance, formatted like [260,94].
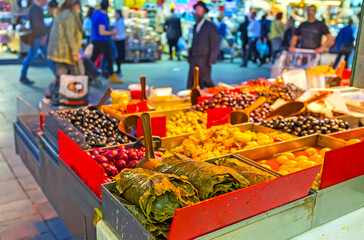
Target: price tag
[41,121]
[201,99]
[218,116]
[158,124]
[138,107]
[236,90]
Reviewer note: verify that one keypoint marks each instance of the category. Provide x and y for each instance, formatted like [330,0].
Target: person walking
[288,33]
[345,43]
[222,28]
[101,39]
[205,47]
[172,27]
[243,29]
[64,45]
[119,39]
[310,33]
[254,30]
[52,8]
[264,35]
[39,32]
[65,38]
[87,24]
[276,35]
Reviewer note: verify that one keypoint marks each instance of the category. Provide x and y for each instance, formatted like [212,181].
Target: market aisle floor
[25,212]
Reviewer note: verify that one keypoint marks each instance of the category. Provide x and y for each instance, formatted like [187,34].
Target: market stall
[263,154]
[272,169]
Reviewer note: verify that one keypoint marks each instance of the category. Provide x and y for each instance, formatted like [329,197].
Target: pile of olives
[306,126]
[99,129]
[237,101]
[287,91]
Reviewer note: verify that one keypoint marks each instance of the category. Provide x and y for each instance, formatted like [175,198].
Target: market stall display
[306,126]
[220,181]
[290,162]
[285,91]
[185,122]
[252,174]
[141,42]
[99,129]
[209,180]
[222,140]
[297,155]
[237,101]
[157,194]
[116,160]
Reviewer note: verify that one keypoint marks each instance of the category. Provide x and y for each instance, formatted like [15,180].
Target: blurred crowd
[104,41]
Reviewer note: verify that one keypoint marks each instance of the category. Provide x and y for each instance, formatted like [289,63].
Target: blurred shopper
[276,35]
[64,44]
[254,30]
[65,38]
[205,47]
[119,39]
[310,33]
[345,43]
[101,39]
[52,8]
[87,25]
[39,32]
[174,31]
[288,33]
[222,29]
[264,35]
[243,29]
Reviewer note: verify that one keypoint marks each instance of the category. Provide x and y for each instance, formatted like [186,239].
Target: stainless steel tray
[282,222]
[338,200]
[350,134]
[316,140]
[119,219]
[27,149]
[74,212]
[129,122]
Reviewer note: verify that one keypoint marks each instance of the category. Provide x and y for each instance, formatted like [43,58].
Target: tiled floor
[25,212]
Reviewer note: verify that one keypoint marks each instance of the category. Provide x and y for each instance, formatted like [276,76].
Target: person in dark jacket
[264,34]
[288,33]
[243,29]
[345,43]
[205,47]
[40,32]
[174,31]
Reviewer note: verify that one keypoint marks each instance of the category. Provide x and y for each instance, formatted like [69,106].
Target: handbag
[73,90]
[346,48]
[88,51]
[27,37]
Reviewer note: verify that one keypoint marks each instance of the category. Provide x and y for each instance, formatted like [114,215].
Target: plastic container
[120,97]
[136,91]
[346,74]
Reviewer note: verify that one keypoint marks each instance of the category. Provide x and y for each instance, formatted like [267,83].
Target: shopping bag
[88,50]
[73,90]
[27,37]
[182,44]
[262,48]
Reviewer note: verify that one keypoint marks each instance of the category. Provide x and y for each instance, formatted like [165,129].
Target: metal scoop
[102,100]
[149,161]
[195,91]
[295,107]
[243,116]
